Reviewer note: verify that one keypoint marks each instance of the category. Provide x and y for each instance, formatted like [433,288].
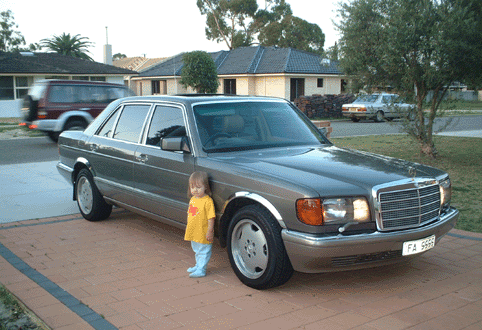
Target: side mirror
[175,144]
[322,130]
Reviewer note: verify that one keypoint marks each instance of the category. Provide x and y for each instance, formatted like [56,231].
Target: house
[268,71]
[19,71]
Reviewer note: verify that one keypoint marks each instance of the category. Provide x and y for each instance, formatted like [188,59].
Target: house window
[6,88]
[98,79]
[320,82]
[80,78]
[21,86]
[155,87]
[159,87]
[230,86]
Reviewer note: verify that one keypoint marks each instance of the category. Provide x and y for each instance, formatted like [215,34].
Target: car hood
[322,168]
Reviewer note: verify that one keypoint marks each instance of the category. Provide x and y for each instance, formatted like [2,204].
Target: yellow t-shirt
[199,212]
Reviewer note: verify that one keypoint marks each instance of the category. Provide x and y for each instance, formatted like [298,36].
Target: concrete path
[129,272]
[33,191]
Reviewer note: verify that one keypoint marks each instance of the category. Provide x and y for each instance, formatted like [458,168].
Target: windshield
[366,98]
[234,126]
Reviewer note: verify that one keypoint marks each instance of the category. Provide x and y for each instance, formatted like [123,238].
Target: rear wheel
[75,125]
[355,119]
[91,204]
[256,250]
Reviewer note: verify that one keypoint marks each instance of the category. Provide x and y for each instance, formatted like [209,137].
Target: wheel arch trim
[259,199]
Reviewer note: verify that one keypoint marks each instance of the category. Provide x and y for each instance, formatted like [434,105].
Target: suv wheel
[75,125]
[256,250]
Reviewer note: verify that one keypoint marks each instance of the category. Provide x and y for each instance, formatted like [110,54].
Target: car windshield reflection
[252,125]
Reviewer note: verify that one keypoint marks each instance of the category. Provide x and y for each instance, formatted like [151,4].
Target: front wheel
[256,250]
[91,204]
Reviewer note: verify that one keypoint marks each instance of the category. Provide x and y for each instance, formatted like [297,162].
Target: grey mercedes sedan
[286,198]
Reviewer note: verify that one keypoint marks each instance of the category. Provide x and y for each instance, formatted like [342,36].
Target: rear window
[86,93]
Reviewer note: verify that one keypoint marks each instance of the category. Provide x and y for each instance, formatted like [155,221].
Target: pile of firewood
[323,106]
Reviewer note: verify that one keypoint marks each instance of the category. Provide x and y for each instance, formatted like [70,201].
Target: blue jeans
[203,255]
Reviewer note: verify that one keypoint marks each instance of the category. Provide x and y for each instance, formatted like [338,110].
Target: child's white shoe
[192,269]
[197,273]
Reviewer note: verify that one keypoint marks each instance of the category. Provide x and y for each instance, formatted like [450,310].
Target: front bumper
[315,254]
[44,125]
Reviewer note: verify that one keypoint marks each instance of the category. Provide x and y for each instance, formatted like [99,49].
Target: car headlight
[445,193]
[317,212]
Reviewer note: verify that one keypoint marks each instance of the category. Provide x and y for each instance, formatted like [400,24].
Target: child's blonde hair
[199,177]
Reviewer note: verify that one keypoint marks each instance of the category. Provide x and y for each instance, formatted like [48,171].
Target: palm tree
[66,44]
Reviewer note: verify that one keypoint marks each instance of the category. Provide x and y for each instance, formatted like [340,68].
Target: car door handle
[94,147]
[142,158]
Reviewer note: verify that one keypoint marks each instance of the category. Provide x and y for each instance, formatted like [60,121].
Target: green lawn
[460,157]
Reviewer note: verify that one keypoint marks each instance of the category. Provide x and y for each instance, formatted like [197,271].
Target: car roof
[201,98]
[77,82]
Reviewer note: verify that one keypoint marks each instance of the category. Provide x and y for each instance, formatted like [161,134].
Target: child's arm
[210,233]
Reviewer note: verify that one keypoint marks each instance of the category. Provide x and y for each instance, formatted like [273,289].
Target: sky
[145,28]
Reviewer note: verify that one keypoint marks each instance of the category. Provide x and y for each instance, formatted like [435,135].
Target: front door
[297,88]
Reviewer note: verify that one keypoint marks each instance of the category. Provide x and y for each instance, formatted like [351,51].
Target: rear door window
[131,122]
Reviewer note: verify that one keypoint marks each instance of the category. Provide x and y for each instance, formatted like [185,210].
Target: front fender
[238,200]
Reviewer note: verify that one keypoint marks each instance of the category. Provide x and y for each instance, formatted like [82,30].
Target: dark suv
[54,106]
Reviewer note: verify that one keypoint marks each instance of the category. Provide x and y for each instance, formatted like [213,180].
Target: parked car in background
[286,198]
[53,106]
[378,107]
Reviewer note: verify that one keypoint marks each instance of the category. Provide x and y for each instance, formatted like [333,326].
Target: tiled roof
[254,60]
[137,63]
[53,63]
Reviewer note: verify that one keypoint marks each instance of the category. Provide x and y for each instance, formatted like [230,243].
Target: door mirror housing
[175,144]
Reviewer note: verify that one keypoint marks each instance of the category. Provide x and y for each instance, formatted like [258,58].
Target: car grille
[409,207]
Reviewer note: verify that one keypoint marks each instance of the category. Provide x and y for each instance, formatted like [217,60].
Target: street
[31,187]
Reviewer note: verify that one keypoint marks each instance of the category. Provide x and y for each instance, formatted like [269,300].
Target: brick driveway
[130,273]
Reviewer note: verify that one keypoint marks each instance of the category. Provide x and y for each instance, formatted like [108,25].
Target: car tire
[29,108]
[256,250]
[355,119]
[91,204]
[54,136]
[379,116]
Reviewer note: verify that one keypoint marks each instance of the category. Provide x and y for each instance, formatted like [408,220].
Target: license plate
[419,246]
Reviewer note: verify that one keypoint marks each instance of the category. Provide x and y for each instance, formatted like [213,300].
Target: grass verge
[14,315]
[460,157]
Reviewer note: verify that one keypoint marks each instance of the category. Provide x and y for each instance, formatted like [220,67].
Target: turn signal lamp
[309,211]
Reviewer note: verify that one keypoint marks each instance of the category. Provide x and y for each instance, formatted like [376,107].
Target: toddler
[200,222]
